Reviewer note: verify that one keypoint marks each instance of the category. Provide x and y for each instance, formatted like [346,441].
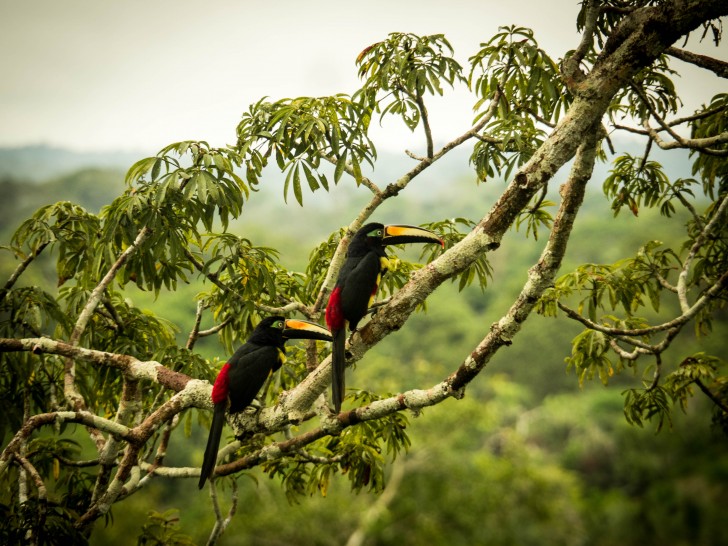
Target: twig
[22,266]
[426,125]
[194,334]
[212,277]
[658,372]
[679,321]
[363,180]
[220,523]
[713,398]
[214,329]
[37,480]
[697,245]
[702,144]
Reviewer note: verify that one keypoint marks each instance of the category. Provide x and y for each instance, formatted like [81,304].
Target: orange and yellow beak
[304,329]
[401,234]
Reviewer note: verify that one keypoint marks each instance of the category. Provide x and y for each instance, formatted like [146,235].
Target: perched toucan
[240,379]
[357,285]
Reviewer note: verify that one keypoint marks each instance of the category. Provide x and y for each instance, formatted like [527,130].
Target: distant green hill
[39,163]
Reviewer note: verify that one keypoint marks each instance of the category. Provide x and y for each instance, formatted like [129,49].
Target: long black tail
[338,367]
[213,443]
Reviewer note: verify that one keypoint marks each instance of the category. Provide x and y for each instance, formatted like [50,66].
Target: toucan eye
[278,324]
[376,233]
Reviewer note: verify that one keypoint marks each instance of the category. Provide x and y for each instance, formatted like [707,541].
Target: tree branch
[720,68]
[132,367]
[697,245]
[82,417]
[221,523]
[22,266]
[713,398]
[570,67]
[625,53]
[71,393]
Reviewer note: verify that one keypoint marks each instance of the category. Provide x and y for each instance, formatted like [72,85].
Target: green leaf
[339,170]
[297,185]
[310,178]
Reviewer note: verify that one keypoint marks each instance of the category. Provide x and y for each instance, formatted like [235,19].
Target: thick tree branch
[44,419]
[132,367]
[295,403]
[643,36]
[541,275]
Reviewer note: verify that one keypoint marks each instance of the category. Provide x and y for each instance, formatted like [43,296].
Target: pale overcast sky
[140,74]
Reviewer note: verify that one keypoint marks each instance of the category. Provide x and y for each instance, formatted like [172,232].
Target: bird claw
[255,405]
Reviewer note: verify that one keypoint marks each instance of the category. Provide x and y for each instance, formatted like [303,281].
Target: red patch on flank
[334,315]
[220,388]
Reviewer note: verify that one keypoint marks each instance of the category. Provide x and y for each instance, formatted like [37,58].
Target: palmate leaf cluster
[402,70]
[635,182]
[301,133]
[623,297]
[531,96]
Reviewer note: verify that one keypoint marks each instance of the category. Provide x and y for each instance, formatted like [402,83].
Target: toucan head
[276,330]
[395,234]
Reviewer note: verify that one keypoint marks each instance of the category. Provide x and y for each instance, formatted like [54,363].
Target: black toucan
[240,379]
[357,285]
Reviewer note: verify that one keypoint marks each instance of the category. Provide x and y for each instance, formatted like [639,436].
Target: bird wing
[360,283]
[250,366]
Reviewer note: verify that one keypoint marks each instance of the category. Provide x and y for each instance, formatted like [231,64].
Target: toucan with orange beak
[355,289]
[240,379]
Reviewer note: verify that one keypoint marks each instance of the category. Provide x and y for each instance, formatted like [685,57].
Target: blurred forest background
[542,459]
